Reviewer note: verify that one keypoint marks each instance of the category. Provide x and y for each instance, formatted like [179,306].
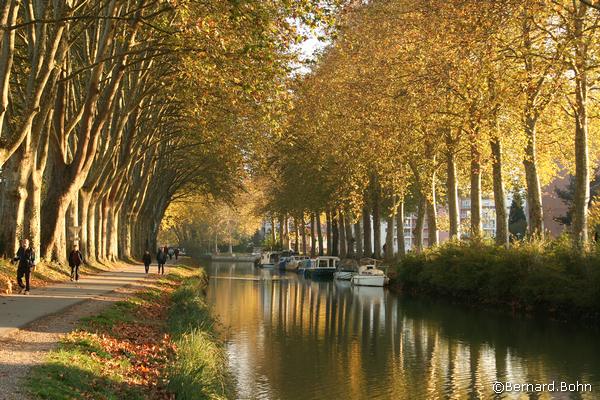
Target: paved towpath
[17,311]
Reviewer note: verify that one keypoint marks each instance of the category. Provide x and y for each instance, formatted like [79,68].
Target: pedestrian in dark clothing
[176,254]
[26,259]
[171,253]
[147,260]
[161,259]
[75,260]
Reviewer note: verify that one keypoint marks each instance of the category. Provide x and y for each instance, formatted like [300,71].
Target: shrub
[538,276]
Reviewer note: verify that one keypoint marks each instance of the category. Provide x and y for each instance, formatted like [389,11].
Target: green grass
[120,312]
[82,368]
[537,277]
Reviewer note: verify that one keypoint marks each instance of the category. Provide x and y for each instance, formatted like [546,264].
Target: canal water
[292,338]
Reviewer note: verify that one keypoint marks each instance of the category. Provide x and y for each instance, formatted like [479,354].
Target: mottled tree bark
[377,247]
[581,198]
[432,227]
[476,231]
[418,234]
[452,187]
[502,234]
[389,238]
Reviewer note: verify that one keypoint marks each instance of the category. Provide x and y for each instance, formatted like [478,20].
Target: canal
[292,338]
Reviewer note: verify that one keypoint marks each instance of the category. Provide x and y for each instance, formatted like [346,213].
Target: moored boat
[369,275]
[346,270]
[304,265]
[324,266]
[269,259]
[294,263]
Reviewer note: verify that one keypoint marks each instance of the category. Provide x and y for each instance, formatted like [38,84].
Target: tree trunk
[418,235]
[349,238]
[313,238]
[85,198]
[581,197]
[400,229]
[452,189]
[72,221]
[286,233]
[303,232]
[18,171]
[281,233]
[502,238]
[433,237]
[92,249]
[35,209]
[329,226]
[475,192]
[342,235]
[113,234]
[377,223]
[358,238]
[273,235]
[319,233]
[296,235]
[534,191]
[335,235]
[368,249]
[389,238]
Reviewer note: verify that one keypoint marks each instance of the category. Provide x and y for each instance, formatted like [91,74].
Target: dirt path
[30,326]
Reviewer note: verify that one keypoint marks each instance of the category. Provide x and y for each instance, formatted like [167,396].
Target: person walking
[161,259]
[75,260]
[171,253]
[177,253]
[147,260]
[26,259]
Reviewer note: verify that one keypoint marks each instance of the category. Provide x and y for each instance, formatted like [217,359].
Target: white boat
[343,275]
[346,270]
[269,259]
[369,275]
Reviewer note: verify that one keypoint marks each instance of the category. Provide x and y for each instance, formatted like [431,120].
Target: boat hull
[320,272]
[266,265]
[344,275]
[369,280]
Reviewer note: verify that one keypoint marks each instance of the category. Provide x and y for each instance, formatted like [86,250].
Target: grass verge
[549,278]
[199,370]
[135,350]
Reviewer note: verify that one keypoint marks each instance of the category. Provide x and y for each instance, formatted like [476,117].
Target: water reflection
[291,338]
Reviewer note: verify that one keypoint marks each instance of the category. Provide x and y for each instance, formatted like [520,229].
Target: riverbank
[138,348]
[549,278]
